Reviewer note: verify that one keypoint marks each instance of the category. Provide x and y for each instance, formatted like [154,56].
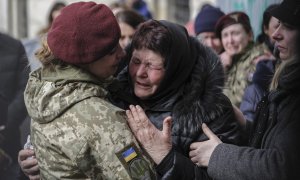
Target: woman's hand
[201,151]
[29,164]
[226,60]
[157,143]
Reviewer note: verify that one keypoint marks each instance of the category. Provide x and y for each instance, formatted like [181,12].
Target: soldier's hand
[29,164]
[157,143]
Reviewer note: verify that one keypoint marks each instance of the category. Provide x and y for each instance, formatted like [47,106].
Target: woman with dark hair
[53,13]
[268,26]
[172,74]
[128,21]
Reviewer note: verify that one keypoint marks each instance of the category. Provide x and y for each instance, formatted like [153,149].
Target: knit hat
[233,18]
[207,18]
[83,32]
[288,12]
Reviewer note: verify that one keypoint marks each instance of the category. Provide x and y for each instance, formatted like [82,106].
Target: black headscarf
[179,64]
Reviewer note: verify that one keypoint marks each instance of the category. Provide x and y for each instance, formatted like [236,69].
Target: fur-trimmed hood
[202,101]
[203,90]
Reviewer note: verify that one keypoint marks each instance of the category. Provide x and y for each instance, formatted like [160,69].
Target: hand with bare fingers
[29,164]
[201,151]
[157,143]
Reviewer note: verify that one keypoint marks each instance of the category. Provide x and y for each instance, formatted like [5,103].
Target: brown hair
[154,36]
[236,17]
[46,57]
[130,17]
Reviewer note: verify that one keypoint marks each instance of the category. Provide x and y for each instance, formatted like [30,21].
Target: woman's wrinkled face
[146,69]
[235,39]
[126,34]
[285,38]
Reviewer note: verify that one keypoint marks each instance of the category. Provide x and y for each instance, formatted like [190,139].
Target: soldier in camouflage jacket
[234,29]
[240,73]
[75,131]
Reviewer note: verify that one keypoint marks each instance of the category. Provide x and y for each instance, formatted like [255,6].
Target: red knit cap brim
[84,32]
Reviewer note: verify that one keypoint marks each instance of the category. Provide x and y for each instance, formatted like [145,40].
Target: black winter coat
[201,102]
[14,71]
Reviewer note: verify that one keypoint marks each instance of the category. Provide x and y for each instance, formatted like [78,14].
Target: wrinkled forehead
[147,55]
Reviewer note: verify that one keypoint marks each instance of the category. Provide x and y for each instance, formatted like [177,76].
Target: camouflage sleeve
[108,135]
[90,140]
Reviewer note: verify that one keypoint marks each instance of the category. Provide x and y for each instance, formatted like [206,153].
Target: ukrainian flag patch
[129,154]
[133,161]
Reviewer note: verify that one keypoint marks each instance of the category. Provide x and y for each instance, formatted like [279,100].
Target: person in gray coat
[273,151]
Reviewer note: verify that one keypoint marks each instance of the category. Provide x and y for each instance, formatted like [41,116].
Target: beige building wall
[3,17]
[38,10]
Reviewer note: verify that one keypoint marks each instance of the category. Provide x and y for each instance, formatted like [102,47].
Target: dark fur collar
[202,99]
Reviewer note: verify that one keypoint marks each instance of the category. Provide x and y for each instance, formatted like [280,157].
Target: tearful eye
[147,65]
[155,66]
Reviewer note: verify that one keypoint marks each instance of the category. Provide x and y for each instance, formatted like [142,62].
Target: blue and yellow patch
[134,162]
[129,154]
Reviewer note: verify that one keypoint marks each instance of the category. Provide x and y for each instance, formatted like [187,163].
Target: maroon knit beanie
[236,17]
[83,32]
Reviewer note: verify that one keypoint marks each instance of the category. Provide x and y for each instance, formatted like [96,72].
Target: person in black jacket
[274,147]
[190,91]
[14,73]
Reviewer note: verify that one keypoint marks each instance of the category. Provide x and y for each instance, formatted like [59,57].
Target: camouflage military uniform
[240,73]
[76,133]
